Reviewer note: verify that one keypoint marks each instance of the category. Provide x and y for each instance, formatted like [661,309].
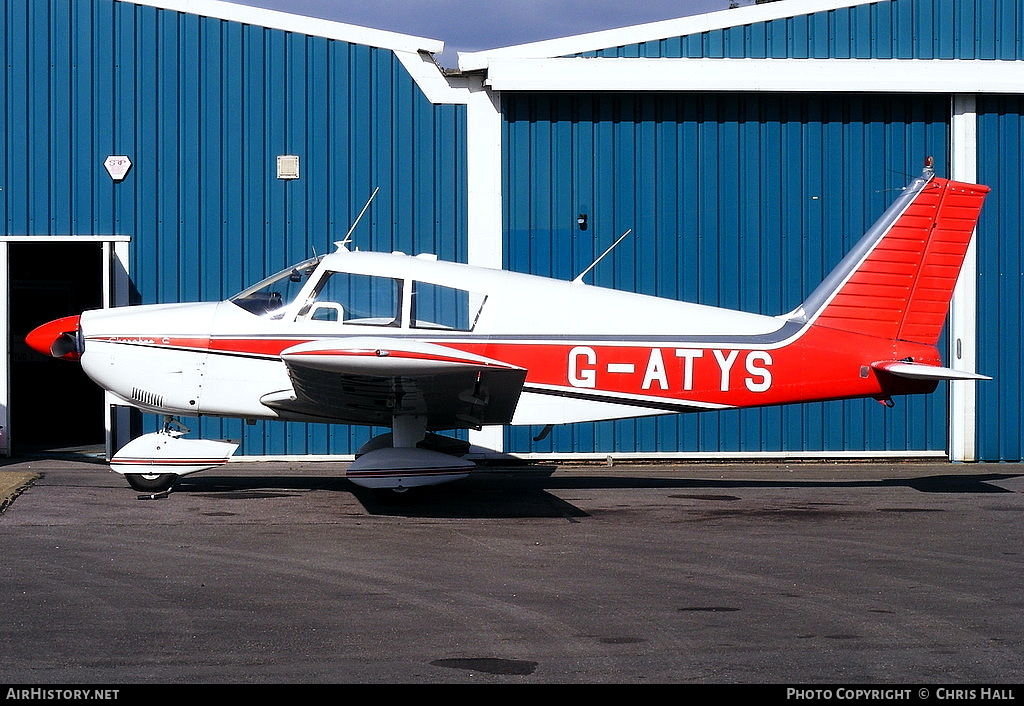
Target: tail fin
[897,281]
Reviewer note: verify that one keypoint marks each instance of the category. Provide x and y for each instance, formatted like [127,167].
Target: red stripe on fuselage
[822,364]
[254,346]
[191,344]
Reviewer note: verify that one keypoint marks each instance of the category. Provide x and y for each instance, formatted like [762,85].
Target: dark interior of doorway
[53,404]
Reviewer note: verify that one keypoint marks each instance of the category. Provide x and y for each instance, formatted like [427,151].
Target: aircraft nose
[58,338]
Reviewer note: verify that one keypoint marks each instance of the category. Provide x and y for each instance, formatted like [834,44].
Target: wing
[370,380]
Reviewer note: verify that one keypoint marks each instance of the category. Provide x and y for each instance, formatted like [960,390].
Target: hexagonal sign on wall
[117,166]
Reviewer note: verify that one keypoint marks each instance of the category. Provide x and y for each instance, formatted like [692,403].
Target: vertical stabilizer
[897,281]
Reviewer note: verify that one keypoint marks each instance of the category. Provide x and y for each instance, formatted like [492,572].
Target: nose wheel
[151,482]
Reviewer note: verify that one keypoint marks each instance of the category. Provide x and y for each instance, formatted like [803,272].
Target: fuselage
[590,353]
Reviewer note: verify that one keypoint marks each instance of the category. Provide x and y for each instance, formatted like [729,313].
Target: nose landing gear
[154,462]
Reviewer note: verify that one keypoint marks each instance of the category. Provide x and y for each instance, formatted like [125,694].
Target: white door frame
[963,310]
[115,293]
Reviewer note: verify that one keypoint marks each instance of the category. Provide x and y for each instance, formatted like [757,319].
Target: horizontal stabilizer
[917,371]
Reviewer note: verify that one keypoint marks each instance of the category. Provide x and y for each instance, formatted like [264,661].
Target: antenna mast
[348,236]
[579,277]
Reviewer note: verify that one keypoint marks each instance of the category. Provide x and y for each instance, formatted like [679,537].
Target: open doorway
[52,403]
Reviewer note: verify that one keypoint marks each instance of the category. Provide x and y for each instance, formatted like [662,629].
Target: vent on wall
[288,166]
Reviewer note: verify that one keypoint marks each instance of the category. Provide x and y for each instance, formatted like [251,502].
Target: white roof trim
[438,88]
[300,24]
[802,75]
[695,24]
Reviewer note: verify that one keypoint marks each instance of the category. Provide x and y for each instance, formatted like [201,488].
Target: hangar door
[740,201]
[48,404]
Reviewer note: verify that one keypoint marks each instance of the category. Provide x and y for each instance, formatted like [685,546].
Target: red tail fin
[898,281]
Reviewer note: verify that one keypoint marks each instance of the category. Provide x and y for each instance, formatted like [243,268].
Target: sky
[472,25]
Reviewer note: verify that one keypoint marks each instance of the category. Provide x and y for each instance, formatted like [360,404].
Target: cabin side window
[435,306]
[366,300]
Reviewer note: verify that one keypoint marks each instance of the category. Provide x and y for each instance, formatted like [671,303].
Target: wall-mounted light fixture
[581,221]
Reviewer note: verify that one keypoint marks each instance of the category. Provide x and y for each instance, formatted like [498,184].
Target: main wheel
[151,482]
[396,496]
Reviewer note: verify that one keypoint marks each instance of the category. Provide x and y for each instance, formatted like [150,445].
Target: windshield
[276,292]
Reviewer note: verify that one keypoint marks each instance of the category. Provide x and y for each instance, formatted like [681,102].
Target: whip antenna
[348,236]
[579,277]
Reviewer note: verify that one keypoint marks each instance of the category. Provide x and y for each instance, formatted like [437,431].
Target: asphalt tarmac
[278,573]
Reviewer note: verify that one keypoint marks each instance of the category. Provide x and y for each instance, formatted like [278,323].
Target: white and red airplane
[419,345]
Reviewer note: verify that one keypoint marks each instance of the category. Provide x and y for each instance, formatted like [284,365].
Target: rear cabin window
[435,306]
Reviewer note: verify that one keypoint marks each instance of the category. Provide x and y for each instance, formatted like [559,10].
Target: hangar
[173,150]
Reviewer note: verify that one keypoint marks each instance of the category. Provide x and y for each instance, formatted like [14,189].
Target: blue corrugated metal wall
[1000,275]
[737,201]
[203,107]
[721,189]
[889,29]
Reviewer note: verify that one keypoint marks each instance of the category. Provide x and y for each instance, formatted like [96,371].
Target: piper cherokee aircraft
[420,346]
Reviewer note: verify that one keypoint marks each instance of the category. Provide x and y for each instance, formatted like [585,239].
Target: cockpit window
[351,298]
[275,292]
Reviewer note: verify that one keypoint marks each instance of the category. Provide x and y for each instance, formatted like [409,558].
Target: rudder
[897,282]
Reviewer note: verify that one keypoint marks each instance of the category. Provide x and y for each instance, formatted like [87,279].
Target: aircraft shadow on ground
[492,496]
[529,494]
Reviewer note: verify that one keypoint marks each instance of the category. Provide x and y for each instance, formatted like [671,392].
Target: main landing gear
[396,463]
